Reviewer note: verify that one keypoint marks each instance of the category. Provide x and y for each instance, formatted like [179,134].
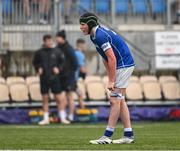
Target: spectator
[69,69]
[44,11]
[48,63]
[26,6]
[67,11]
[178,11]
[81,72]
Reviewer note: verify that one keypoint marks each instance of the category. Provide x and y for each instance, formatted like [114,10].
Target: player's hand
[40,71]
[56,70]
[110,86]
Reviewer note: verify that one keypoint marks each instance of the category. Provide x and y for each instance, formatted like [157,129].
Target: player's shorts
[69,82]
[54,84]
[123,76]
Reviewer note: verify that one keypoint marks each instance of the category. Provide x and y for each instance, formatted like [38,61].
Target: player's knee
[114,102]
[117,96]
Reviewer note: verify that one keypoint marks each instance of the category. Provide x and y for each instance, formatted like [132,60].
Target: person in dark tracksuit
[48,62]
[70,67]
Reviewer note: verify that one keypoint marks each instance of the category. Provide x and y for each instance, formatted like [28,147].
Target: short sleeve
[103,41]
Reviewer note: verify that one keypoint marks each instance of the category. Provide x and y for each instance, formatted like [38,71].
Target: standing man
[119,65]
[48,64]
[81,72]
[68,73]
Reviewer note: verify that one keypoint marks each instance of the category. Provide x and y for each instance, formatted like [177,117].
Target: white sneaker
[65,121]
[43,21]
[102,140]
[44,122]
[124,140]
[29,21]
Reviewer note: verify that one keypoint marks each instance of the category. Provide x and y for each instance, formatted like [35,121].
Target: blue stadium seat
[7,7]
[158,6]
[139,6]
[84,6]
[102,6]
[121,6]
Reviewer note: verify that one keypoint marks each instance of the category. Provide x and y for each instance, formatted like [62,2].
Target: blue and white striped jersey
[104,39]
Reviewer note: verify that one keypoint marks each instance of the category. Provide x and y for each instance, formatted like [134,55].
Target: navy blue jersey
[104,39]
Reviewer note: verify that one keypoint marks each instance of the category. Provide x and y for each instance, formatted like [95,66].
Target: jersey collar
[94,36]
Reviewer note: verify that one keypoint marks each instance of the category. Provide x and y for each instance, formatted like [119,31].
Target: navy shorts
[52,84]
[68,82]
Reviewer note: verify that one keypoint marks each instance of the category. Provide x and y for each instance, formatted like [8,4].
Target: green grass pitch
[149,136]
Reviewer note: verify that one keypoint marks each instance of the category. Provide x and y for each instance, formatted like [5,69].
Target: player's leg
[70,89]
[57,88]
[124,111]
[115,102]
[45,120]
[71,105]
[80,98]
[45,98]
[26,6]
[125,118]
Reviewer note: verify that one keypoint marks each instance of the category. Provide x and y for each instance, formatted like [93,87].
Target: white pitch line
[60,127]
[88,150]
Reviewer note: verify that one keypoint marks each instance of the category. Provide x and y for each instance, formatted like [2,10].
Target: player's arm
[110,64]
[111,67]
[106,66]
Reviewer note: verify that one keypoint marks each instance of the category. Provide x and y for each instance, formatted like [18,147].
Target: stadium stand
[84,5]
[92,78]
[19,92]
[139,7]
[96,90]
[2,80]
[32,79]
[163,79]
[121,6]
[102,7]
[12,80]
[157,7]
[171,90]
[134,91]
[152,90]
[4,92]
[34,91]
[134,79]
[147,78]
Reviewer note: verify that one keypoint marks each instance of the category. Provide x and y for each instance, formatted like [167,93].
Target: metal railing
[24,22]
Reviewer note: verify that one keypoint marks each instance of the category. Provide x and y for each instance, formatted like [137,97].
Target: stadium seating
[32,79]
[134,91]
[7,7]
[152,90]
[148,78]
[4,92]
[139,6]
[2,80]
[171,90]
[102,6]
[12,80]
[34,91]
[121,6]
[158,6]
[163,79]
[84,6]
[134,79]
[92,78]
[19,92]
[96,90]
